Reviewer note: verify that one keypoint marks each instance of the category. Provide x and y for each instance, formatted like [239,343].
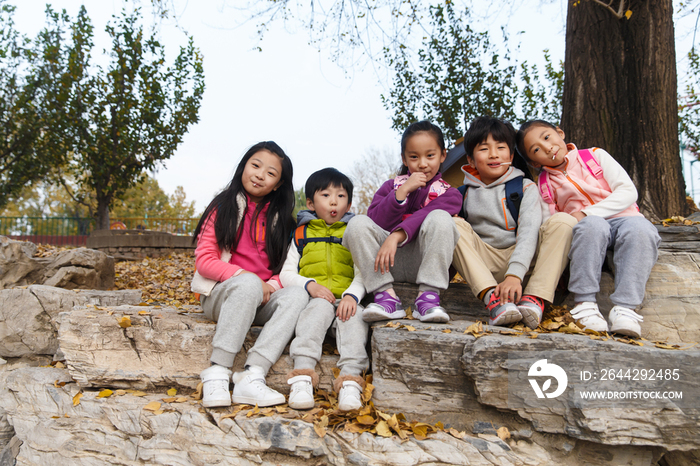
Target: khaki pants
[484,267]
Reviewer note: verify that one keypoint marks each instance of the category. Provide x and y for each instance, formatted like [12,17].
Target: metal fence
[74,231]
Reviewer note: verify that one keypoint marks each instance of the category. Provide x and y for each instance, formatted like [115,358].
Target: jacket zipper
[328,260]
[578,187]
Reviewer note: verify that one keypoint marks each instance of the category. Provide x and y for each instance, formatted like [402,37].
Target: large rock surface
[118,430]
[73,268]
[28,315]
[460,379]
[159,347]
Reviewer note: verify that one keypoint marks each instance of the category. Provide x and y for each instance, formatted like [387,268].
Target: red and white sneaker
[531,308]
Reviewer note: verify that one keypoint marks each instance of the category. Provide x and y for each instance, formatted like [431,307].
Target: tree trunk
[620,94]
[102,214]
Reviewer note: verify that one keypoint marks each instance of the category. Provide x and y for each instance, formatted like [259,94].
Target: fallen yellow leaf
[503,433]
[76,398]
[105,393]
[366,420]
[455,433]
[170,400]
[144,313]
[628,13]
[124,322]
[197,395]
[383,429]
[59,365]
[152,406]
[172,392]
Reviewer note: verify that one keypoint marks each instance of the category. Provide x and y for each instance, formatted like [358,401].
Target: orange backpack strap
[300,238]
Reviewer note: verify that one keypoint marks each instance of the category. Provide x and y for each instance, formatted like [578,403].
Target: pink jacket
[574,188]
[215,265]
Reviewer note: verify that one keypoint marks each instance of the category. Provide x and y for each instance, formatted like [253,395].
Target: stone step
[158,347]
[461,380]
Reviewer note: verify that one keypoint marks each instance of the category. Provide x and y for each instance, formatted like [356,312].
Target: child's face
[423,154]
[491,159]
[545,146]
[330,204]
[262,175]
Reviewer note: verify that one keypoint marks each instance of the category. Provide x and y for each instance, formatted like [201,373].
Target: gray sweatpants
[634,242]
[235,305]
[425,260]
[350,338]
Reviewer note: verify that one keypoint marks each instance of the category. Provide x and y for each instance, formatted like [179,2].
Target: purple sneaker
[428,308]
[384,307]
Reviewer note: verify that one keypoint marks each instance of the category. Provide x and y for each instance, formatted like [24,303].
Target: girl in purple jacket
[408,234]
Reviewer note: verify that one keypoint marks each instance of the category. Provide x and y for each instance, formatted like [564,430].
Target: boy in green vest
[318,261]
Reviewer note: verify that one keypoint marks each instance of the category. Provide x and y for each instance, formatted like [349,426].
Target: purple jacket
[386,211]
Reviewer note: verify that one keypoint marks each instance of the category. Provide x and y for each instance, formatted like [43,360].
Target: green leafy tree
[460,75]
[31,105]
[689,106]
[147,199]
[128,117]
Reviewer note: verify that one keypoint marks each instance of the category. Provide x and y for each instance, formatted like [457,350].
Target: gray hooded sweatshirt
[486,211]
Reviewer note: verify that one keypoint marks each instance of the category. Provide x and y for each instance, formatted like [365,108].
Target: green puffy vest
[327,262]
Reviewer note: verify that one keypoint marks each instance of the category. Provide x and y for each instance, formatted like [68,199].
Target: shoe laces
[534,300]
[300,385]
[212,386]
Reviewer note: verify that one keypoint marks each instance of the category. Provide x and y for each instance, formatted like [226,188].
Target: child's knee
[359,224]
[561,219]
[592,226]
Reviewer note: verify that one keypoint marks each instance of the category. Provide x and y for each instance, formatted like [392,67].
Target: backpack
[586,156]
[514,195]
[300,239]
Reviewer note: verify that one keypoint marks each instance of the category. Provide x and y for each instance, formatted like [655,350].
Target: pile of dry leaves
[163,280]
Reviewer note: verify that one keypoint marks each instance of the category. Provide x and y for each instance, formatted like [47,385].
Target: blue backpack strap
[300,239]
[514,195]
[463,191]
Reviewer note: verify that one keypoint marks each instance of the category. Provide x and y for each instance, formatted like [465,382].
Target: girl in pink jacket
[242,241]
[591,186]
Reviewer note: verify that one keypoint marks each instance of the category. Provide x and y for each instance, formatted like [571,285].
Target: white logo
[542,369]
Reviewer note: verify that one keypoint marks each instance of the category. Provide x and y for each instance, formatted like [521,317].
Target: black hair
[524,129]
[419,127]
[321,179]
[480,129]
[501,131]
[281,205]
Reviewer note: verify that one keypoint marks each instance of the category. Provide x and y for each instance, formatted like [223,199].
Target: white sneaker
[301,395]
[215,381]
[249,388]
[625,321]
[588,315]
[349,396]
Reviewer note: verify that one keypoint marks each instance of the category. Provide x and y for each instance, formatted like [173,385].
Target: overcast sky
[288,92]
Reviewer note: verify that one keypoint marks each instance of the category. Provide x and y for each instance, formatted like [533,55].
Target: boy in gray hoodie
[496,247]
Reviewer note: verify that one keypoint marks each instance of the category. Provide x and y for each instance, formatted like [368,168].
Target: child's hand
[578,215]
[267,292]
[415,181]
[385,256]
[509,290]
[319,291]
[346,308]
